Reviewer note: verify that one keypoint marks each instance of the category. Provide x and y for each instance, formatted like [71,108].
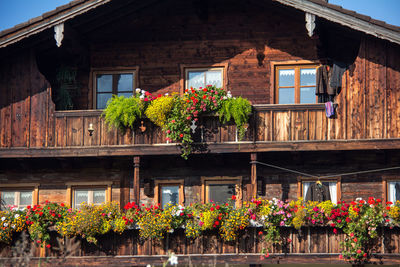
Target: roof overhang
[315,7]
[344,19]
[46,23]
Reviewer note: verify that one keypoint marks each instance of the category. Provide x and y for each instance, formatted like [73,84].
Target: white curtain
[333,192]
[306,185]
[392,192]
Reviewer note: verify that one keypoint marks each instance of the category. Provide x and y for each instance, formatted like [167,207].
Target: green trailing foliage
[238,109]
[159,110]
[122,112]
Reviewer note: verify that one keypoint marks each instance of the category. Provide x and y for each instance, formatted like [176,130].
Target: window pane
[286,77]
[307,95]
[196,79]
[104,83]
[125,82]
[81,195]
[8,198]
[394,191]
[99,196]
[286,95]
[307,77]
[169,194]
[25,198]
[214,77]
[102,100]
[221,193]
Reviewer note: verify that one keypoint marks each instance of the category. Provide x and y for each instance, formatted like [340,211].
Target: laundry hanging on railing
[329,81]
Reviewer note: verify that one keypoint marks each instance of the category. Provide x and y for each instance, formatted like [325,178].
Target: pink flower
[359,251]
[173,121]
[168,131]
[201,223]
[282,223]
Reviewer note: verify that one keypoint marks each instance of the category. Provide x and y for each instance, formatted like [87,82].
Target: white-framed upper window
[19,199]
[393,191]
[108,83]
[201,77]
[94,196]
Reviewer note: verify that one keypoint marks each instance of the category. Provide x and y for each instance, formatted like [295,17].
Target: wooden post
[253,193]
[136,179]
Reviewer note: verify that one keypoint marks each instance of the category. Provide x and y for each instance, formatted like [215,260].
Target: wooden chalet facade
[51,93]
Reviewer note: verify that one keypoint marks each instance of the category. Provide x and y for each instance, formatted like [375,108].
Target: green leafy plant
[122,112]
[238,109]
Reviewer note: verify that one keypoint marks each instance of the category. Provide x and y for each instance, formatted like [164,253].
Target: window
[89,192]
[295,84]
[169,192]
[111,83]
[308,188]
[19,199]
[392,189]
[89,196]
[221,189]
[17,195]
[202,77]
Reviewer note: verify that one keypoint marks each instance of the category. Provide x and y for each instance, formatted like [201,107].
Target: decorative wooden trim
[160,182]
[136,179]
[221,180]
[338,181]
[184,67]
[253,157]
[117,70]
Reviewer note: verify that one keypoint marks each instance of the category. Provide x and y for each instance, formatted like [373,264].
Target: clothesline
[326,176]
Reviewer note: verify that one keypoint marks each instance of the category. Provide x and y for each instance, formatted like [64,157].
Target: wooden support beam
[227,147]
[136,179]
[253,157]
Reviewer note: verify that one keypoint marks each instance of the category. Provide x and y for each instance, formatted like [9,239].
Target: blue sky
[13,12]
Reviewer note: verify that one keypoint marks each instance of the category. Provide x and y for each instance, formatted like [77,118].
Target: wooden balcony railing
[311,244]
[271,127]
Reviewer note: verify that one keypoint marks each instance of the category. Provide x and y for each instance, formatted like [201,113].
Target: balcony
[271,128]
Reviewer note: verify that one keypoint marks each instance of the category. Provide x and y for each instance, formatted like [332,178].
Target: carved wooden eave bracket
[59,33]
[310,23]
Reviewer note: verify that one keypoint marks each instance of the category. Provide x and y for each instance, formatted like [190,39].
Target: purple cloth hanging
[329,109]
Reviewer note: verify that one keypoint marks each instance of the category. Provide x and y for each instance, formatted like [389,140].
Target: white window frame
[187,70]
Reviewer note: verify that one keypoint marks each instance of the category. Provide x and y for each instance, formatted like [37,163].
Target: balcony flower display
[176,113]
[358,220]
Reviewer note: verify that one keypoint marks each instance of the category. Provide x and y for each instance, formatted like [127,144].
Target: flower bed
[359,220]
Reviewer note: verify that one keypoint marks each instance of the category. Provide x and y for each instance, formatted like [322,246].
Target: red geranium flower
[233,197]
